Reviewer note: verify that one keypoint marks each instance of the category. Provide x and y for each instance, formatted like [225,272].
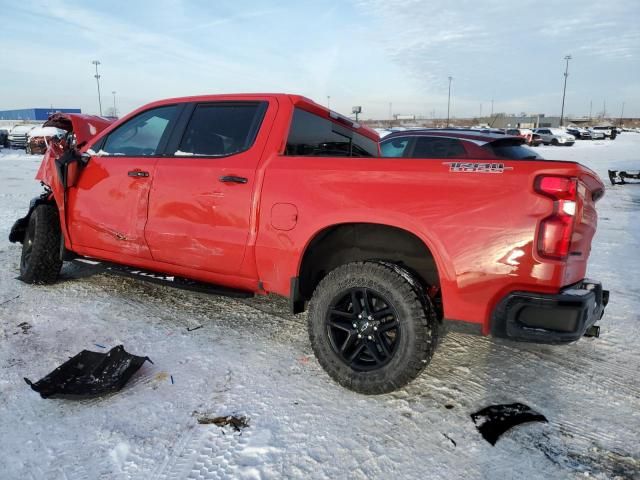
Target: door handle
[138,173]
[233,179]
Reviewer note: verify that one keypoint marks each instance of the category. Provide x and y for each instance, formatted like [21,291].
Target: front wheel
[40,261]
[371,326]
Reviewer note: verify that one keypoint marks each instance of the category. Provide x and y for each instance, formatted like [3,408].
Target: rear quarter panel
[480,227]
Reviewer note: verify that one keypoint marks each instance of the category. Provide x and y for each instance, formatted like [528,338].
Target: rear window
[512,150]
[312,135]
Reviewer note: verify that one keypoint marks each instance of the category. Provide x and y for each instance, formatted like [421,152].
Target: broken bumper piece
[619,177]
[495,420]
[90,374]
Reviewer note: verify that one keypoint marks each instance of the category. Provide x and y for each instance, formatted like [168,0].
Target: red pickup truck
[273,193]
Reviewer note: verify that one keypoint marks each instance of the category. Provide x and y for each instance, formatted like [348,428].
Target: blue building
[34,113]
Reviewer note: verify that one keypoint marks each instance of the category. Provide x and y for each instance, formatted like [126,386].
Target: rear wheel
[554,141]
[40,261]
[371,326]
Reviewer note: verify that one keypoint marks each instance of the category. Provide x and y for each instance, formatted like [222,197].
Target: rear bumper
[543,318]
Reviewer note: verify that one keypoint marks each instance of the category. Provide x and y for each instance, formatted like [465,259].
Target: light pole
[97,76]
[564,91]
[115,112]
[329,102]
[449,100]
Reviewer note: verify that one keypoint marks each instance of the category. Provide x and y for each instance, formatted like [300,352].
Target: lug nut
[355,325]
[359,315]
[370,337]
[375,329]
[359,336]
[369,317]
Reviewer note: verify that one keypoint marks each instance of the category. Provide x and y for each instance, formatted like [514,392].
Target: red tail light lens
[558,188]
[554,234]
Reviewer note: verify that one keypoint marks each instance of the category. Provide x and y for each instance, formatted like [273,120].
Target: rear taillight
[554,234]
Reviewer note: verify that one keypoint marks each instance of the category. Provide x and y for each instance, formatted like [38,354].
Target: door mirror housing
[69,166]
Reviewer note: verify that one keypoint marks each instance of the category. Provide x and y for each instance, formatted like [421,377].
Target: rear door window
[221,129]
[438,147]
[315,136]
[142,135]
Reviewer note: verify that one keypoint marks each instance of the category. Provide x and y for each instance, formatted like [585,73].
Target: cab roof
[297,100]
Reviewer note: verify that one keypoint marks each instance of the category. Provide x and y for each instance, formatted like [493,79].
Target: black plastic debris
[90,373]
[494,420]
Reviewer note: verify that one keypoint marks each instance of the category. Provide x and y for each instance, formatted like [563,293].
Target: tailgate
[590,190]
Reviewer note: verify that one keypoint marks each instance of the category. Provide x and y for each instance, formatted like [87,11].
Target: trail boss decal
[477,167]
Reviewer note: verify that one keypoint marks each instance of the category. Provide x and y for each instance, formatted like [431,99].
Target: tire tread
[420,311]
[45,263]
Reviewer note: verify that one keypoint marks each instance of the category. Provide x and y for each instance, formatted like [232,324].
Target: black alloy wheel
[363,329]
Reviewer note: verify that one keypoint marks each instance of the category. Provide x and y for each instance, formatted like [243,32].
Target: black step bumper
[543,318]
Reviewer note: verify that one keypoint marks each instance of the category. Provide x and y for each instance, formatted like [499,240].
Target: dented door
[107,207]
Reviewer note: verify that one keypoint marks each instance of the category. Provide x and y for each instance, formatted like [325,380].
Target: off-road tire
[40,260]
[416,317]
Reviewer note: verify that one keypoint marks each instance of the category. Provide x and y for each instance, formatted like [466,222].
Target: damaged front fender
[63,162]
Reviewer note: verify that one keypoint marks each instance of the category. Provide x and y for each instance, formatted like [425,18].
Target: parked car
[18,136]
[274,193]
[597,134]
[606,129]
[532,139]
[555,136]
[429,143]
[38,139]
[579,133]
[4,137]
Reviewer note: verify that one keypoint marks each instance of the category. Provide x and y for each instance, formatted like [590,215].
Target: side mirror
[69,166]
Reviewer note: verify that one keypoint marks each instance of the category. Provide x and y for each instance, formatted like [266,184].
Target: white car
[604,129]
[18,135]
[597,134]
[555,136]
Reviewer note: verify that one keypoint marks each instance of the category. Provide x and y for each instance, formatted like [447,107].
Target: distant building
[34,114]
[525,121]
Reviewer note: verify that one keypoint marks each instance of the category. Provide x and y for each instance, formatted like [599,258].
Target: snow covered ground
[252,358]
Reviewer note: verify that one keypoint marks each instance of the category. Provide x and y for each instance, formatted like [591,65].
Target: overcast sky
[366,52]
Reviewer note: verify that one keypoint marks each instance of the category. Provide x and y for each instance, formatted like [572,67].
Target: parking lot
[252,359]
